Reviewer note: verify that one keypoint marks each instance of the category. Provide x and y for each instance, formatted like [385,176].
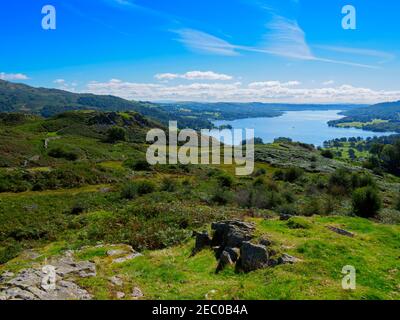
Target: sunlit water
[304,126]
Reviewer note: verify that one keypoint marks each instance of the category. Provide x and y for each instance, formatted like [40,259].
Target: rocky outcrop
[36,284]
[137,293]
[231,234]
[287,259]
[341,231]
[252,257]
[202,241]
[285,217]
[124,254]
[232,244]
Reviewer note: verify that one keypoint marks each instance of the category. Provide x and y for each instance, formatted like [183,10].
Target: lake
[304,126]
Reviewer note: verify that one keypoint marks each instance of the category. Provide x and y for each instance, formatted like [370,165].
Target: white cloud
[13,76]
[64,85]
[328,82]
[167,76]
[267,91]
[194,75]
[272,84]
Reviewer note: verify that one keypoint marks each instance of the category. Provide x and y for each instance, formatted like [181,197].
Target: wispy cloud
[194,75]
[133,5]
[13,76]
[205,43]
[126,3]
[383,56]
[286,38]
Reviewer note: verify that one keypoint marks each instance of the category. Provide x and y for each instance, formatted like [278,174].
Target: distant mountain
[16,97]
[384,111]
[237,110]
[381,117]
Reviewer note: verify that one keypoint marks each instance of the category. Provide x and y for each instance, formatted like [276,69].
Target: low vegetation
[51,201]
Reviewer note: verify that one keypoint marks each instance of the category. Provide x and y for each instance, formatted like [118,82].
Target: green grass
[360,125]
[160,223]
[172,274]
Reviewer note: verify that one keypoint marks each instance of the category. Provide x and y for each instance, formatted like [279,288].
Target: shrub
[221,197]
[264,199]
[279,175]
[340,182]
[327,154]
[145,186]
[243,198]
[366,202]
[128,191]
[78,208]
[260,172]
[186,182]
[373,163]
[398,203]
[168,185]
[9,250]
[312,207]
[298,223]
[131,190]
[288,209]
[290,175]
[116,134]
[362,180]
[137,164]
[259,182]
[61,153]
[271,186]
[389,216]
[329,205]
[289,196]
[213,172]
[293,173]
[225,181]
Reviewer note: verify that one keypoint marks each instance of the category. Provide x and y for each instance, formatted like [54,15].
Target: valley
[76,189]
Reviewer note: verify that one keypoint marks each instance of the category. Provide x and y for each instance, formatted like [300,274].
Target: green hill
[79,181]
[16,97]
[380,117]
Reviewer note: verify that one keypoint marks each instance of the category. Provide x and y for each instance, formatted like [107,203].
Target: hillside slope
[27,140]
[382,117]
[16,97]
[85,197]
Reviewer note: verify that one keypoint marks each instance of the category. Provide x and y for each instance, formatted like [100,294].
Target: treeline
[384,152]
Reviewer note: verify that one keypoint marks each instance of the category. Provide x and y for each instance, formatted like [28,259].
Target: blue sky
[225,50]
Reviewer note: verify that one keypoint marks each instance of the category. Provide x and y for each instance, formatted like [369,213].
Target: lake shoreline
[309,126]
